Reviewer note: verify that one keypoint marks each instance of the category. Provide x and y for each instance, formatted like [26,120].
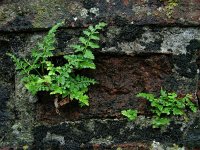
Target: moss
[169,8]
[107,140]
[47,12]
[7,13]
[2,16]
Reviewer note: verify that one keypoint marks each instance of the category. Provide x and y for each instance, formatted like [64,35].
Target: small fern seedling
[130,114]
[167,105]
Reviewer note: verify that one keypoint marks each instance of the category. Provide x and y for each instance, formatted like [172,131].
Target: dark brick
[134,12]
[108,134]
[119,78]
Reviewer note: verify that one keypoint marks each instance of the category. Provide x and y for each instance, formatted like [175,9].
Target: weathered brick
[119,79]
[33,15]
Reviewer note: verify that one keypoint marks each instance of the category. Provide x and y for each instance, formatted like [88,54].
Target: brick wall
[142,50]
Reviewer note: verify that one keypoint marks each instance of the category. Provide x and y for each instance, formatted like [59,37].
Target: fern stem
[32,67]
[42,68]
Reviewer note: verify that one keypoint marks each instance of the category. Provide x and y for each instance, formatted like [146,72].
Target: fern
[40,74]
[167,105]
[130,114]
[148,96]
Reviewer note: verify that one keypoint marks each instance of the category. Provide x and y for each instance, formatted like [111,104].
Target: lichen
[7,13]
[58,138]
[162,40]
[178,41]
[107,140]
[84,13]
[22,127]
[94,11]
[159,146]
[47,13]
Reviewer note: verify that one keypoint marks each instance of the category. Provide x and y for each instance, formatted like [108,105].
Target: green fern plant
[39,73]
[168,105]
[130,114]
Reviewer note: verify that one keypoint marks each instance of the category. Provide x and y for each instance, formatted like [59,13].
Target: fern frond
[40,74]
[147,96]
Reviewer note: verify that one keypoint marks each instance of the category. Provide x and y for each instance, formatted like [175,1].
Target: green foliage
[167,105]
[25,147]
[130,114]
[171,4]
[41,74]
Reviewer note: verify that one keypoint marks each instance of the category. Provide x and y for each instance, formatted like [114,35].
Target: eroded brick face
[81,13]
[119,79]
[142,50]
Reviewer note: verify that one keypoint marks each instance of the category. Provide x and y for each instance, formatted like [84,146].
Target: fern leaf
[93,45]
[130,114]
[147,96]
[100,25]
[78,48]
[87,33]
[87,64]
[60,80]
[95,37]
[88,54]
[83,40]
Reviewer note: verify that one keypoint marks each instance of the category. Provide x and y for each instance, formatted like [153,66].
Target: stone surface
[106,134]
[132,59]
[42,14]
[119,79]
[131,39]
[128,64]
[6,89]
[6,66]
[6,116]
[192,137]
[142,50]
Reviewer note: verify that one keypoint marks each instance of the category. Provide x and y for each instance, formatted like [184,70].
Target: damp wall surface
[142,50]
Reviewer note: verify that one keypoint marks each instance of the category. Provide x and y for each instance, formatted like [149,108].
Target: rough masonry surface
[142,50]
